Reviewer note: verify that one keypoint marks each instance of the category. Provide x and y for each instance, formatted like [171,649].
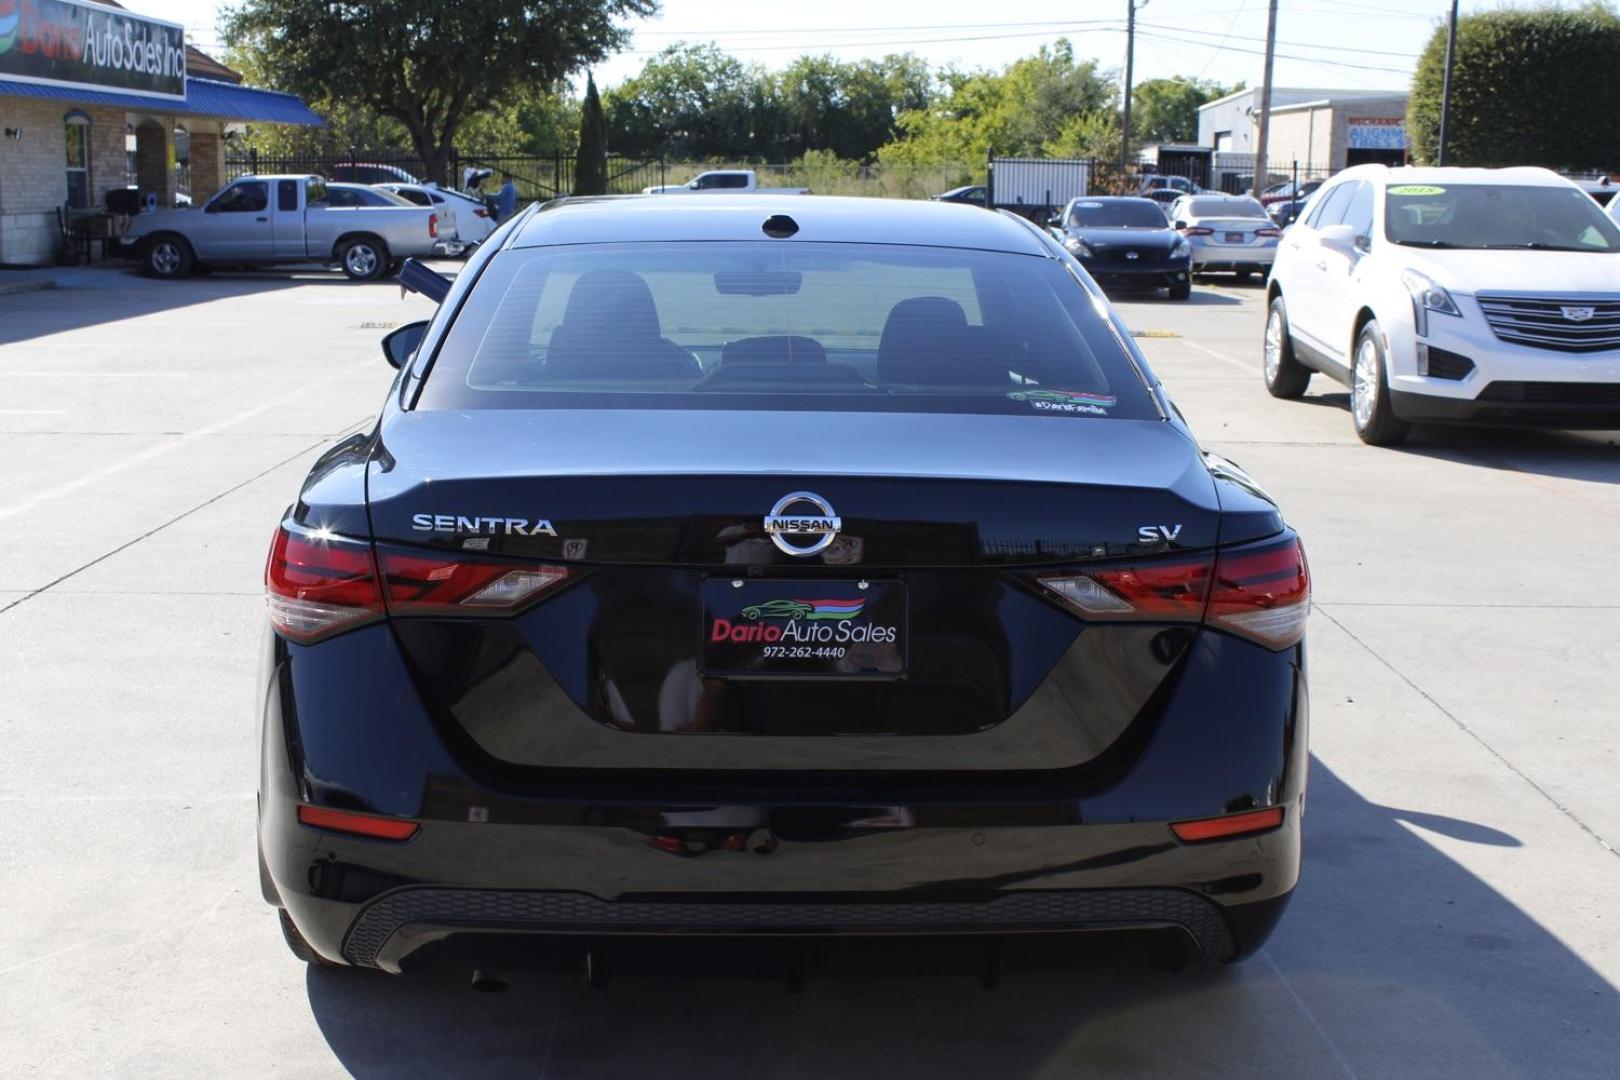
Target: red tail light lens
[1263,592]
[317,584]
[1225,827]
[425,583]
[382,828]
[1197,230]
[1260,591]
[433,225]
[481,212]
[1268,232]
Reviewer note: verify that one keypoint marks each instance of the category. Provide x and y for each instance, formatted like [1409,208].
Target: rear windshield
[1239,208]
[1507,216]
[784,325]
[1116,214]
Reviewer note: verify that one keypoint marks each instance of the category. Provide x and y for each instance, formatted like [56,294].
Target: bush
[1529,87]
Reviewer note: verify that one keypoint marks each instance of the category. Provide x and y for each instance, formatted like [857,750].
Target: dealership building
[95,98]
[1323,130]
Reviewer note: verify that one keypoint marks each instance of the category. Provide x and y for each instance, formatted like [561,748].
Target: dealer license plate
[759,628]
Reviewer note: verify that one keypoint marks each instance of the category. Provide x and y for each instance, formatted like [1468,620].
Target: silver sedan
[1227,233]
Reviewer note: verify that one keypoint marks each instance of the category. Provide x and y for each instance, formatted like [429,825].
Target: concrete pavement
[1457,915]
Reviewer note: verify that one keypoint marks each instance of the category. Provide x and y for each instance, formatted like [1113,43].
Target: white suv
[1487,296]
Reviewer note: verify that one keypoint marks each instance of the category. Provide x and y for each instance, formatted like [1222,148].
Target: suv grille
[1545,323]
[1552,393]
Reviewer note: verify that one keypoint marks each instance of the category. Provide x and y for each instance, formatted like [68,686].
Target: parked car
[349,196]
[1161,182]
[1227,233]
[729,181]
[1126,241]
[370,172]
[972,193]
[465,221]
[1163,198]
[1451,295]
[1289,191]
[265,220]
[708,582]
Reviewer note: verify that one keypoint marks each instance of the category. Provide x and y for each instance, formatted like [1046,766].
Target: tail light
[318,584]
[1258,591]
[372,825]
[481,212]
[433,225]
[1268,232]
[1230,825]
[1197,230]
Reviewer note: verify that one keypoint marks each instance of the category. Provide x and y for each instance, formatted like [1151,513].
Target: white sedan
[1483,296]
[470,221]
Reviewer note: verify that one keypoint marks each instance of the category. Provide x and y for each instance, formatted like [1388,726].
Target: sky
[1341,44]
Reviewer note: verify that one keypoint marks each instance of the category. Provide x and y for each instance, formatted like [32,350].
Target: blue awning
[204,97]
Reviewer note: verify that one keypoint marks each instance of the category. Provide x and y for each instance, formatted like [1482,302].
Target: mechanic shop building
[1319,130]
[97,99]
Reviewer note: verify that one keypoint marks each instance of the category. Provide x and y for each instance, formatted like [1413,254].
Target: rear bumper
[500,865]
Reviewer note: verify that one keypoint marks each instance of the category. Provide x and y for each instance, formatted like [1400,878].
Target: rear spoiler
[417,277]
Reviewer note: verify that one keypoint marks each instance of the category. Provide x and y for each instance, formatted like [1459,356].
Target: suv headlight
[1078,247]
[1183,247]
[1427,297]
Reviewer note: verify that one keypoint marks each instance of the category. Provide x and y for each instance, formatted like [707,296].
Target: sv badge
[1153,534]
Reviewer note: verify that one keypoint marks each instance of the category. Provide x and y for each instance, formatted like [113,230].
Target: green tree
[430,66]
[689,101]
[1529,87]
[590,166]
[850,109]
[1015,111]
[1166,110]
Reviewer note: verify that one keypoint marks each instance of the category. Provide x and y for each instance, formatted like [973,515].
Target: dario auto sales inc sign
[73,43]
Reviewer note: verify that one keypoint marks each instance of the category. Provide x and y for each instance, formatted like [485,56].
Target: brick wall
[207,165]
[33,180]
[108,167]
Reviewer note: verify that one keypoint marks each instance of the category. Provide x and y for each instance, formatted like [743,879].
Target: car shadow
[1589,456]
[1201,297]
[108,293]
[1392,960]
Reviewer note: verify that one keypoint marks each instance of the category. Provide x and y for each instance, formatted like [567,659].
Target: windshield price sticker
[1417,189]
[761,628]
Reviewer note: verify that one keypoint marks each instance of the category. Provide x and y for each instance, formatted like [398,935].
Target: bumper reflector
[1220,828]
[381,828]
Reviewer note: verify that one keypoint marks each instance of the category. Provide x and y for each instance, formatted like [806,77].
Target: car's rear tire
[1370,409]
[168,256]
[1285,376]
[1182,291]
[363,258]
[296,943]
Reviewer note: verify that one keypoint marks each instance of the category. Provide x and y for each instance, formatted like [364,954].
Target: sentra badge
[784,525]
[485,526]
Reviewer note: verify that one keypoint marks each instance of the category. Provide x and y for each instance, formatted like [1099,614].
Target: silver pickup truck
[260,220]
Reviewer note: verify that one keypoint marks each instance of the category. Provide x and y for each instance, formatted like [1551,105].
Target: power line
[1290,44]
[1287,56]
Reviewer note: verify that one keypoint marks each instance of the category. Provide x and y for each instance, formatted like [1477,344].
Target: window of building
[76,135]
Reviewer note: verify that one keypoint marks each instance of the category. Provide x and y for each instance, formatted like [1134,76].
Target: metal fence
[537,176]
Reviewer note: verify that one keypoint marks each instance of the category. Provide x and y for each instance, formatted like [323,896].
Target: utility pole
[1265,103]
[1445,90]
[1130,60]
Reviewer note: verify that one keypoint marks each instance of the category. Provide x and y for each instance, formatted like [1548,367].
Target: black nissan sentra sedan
[777,569]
